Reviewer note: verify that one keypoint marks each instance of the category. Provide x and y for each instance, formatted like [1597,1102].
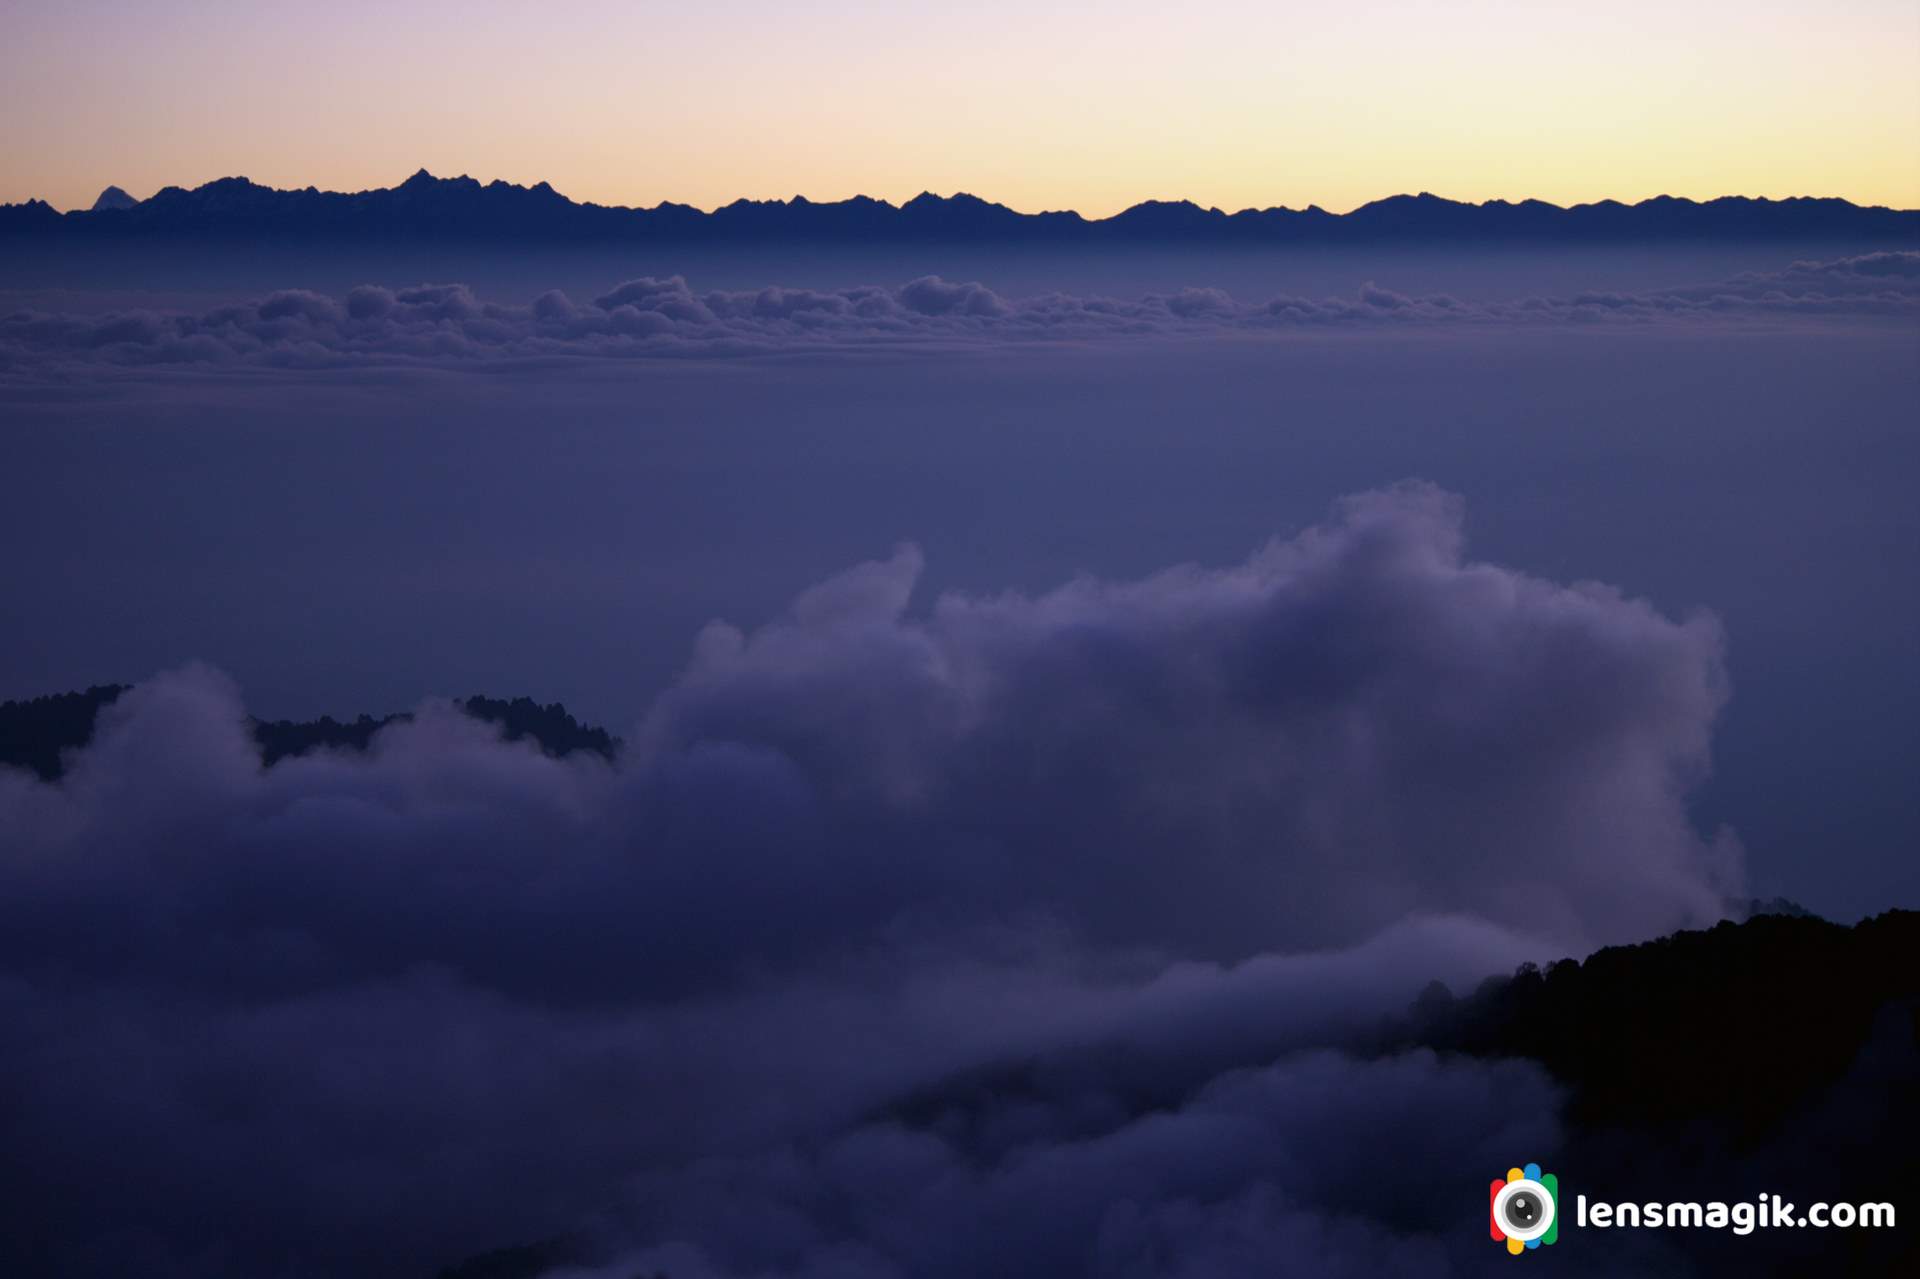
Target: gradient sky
[1032,102]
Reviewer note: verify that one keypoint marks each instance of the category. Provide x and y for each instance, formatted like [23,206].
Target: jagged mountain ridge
[425,205]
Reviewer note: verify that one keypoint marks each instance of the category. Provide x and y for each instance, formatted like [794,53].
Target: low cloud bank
[1317,1163]
[717,1003]
[665,318]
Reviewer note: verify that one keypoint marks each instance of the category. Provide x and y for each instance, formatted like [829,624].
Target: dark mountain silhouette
[1739,1024]
[35,734]
[35,216]
[464,208]
[113,198]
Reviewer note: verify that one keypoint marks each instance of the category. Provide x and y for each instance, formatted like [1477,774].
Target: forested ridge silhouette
[36,733]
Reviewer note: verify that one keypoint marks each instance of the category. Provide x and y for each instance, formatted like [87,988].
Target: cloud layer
[1179,836]
[665,318]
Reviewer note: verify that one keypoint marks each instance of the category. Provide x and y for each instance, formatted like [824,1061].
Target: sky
[1233,103]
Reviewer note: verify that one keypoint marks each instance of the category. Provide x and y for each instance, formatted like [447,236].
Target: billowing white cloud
[1181,837]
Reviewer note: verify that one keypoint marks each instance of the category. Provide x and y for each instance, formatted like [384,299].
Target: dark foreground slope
[1735,1027]
[1780,1056]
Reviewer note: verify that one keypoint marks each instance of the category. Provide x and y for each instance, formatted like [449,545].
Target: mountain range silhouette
[462,207]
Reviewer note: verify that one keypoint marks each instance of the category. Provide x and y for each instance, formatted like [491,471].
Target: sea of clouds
[987,934]
[666,318]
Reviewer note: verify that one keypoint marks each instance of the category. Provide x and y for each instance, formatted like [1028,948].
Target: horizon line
[803,199]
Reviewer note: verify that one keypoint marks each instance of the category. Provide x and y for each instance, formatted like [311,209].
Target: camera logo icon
[1523,1208]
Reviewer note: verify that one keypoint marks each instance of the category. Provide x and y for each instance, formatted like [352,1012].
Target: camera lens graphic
[1524,1209]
